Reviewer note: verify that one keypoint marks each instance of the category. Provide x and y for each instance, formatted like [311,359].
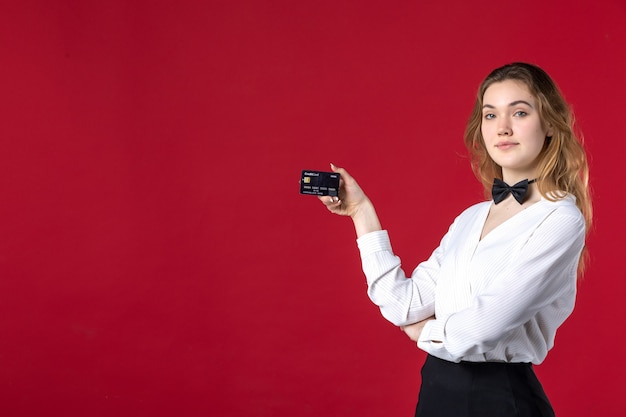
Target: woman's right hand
[351,196]
[352,202]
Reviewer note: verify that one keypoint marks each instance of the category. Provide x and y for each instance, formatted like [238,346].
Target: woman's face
[512,129]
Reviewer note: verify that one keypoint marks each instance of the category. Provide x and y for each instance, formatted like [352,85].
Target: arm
[413,331]
[402,301]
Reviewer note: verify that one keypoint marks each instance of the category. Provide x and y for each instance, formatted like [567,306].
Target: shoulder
[562,207]
[559,218]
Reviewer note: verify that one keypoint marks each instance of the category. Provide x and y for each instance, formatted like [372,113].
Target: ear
[550,131]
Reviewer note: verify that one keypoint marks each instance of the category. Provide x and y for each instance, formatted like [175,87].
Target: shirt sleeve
[402,301]
[540,277]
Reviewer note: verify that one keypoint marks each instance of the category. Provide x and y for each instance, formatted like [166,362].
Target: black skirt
[480,389]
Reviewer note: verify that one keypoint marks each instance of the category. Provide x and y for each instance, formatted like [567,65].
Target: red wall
[155,255]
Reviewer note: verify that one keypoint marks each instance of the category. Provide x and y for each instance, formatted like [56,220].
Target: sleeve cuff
[432,335]
[373,242]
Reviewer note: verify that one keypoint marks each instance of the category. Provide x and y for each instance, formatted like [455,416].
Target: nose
[504,129]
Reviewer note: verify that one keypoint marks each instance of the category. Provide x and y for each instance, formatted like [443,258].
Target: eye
[489,116]
[520,113]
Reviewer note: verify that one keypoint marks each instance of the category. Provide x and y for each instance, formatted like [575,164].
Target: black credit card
[319,183]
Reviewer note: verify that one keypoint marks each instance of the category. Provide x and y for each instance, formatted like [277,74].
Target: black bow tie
[501,190]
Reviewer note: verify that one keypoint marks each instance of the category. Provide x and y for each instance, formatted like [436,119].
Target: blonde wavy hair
[563,167]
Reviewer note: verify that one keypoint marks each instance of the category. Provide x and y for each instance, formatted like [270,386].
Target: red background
[155,255]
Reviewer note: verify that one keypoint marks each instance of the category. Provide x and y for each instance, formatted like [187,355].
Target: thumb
[344,174]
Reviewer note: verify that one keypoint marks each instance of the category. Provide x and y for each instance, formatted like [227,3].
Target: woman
[487,303]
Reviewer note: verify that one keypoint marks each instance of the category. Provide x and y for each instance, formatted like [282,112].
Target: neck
[509,181]
[513,176]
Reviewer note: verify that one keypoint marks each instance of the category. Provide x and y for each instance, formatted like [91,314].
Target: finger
[329,201]
[339,170]
[345,176]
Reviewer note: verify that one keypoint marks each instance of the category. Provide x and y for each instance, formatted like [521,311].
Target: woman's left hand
[415,330]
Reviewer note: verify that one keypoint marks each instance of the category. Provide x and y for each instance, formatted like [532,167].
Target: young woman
[487,303]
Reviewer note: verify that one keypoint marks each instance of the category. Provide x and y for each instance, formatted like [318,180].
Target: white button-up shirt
[501,298]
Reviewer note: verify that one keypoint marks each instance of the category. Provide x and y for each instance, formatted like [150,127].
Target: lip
[505,145]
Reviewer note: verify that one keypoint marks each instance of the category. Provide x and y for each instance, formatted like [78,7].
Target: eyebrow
[512,104]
